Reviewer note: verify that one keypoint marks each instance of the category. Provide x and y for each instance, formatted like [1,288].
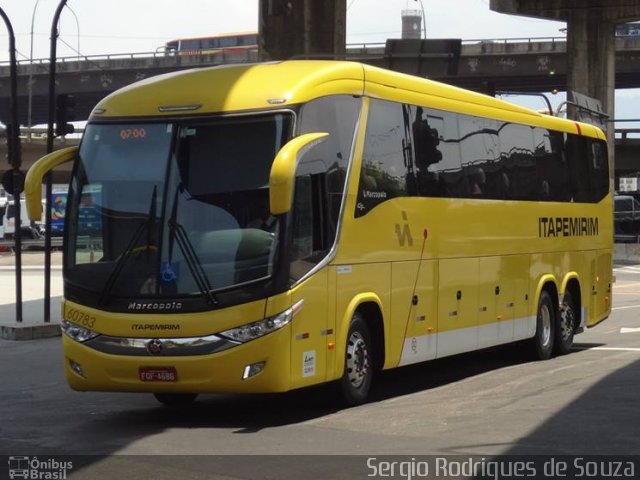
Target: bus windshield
[176,209]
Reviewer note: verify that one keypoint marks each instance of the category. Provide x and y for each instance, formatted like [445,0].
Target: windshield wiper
[122,260]
[178,233]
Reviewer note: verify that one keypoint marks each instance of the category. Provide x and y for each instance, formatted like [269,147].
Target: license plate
[158,374]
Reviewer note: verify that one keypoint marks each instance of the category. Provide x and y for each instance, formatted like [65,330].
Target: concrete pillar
[302,28]
[591,59]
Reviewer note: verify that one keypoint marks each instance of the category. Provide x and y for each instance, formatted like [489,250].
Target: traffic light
[65,113]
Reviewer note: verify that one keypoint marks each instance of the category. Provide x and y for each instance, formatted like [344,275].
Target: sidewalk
[31,258]
[32,325]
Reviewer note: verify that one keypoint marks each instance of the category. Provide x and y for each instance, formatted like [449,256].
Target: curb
[19,331]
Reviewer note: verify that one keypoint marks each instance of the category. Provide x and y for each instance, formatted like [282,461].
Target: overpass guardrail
[356,47]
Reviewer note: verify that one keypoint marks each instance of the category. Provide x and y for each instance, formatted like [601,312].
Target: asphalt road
[494,402]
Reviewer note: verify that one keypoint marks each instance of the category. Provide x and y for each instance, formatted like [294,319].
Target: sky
[95,27]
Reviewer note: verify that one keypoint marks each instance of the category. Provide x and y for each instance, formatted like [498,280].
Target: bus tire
[175,399]
[358,364]
[565,325]
[545,321]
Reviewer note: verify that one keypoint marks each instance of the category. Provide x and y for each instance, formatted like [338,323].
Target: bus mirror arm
[283,170]
[33,181]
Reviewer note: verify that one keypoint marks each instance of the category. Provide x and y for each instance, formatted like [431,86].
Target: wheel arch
[544,328]
[370,305]
[571,284]
[547,282]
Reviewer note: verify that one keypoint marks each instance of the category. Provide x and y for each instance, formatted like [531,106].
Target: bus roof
[246,87]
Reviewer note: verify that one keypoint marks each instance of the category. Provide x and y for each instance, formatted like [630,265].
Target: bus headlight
[254,330]
[76,332]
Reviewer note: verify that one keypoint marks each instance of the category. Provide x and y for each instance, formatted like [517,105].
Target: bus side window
[386,160]
[321,179]
[336,115]
[578,161]
[437,153]
[517,180]
[444,177]
[426,142]
[480,154]
[551,167]
[599,166]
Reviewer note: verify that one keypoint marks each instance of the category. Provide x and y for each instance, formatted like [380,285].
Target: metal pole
[52,111]
[30,84]
[15,161]
[424,19]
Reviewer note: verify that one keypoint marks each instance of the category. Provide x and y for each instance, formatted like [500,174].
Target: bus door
[310,330]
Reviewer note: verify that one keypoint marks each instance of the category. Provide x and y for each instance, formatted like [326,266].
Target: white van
[9,222]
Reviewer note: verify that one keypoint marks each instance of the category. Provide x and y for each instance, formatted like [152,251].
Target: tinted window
[576,151]
[248,40]
[599,166]
[518,144]
[190,45]
[437,153]
[480,151]
[415,150]
[320,179]
[552,169]
[386,158]
[336,115]
[228,42]
[210,43]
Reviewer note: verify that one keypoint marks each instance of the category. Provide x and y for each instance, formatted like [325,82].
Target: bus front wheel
[175,399]
[565,326]
[545,326]
[358,365]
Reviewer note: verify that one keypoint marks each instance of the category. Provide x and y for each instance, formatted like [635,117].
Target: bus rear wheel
[545,327]
[565,326]
[358,364]
[175,399]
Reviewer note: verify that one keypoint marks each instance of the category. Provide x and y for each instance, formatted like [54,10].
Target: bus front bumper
[231,371]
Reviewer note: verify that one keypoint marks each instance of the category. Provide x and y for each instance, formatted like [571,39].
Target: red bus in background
[226,42]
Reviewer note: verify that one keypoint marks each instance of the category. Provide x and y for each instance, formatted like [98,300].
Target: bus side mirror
[283,170]
[33,181]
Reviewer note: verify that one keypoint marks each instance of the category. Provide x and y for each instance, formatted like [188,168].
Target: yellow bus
[274,226]
[226,42]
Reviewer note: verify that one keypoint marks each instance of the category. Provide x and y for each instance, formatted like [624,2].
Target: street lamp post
[13,144]
[77,28]
[51,116]
[30,84]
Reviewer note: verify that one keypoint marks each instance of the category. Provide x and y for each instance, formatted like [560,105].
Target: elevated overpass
[525,64]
